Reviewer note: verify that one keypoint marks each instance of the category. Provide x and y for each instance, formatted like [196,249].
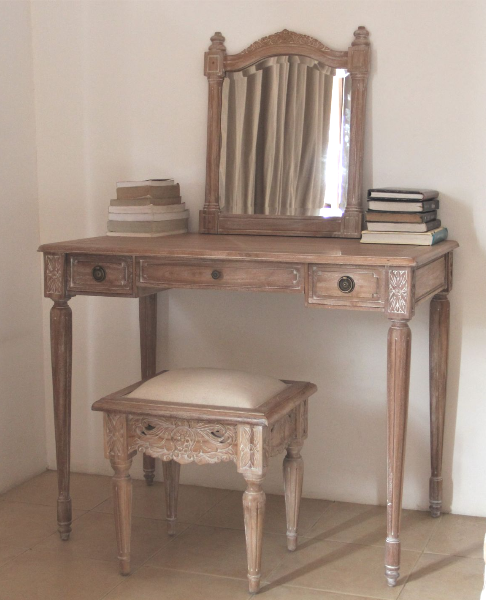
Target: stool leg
[254,512]
[171,471]
[293,471]
[122,497]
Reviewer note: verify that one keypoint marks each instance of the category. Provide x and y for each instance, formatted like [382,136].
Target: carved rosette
[115,436]
[53,270]
[182,440]
[285,38]
[252,450]
[398,292]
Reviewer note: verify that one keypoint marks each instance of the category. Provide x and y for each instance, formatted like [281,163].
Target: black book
[402,193]
[401,206]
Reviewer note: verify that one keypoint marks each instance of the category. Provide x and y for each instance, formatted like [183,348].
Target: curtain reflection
[276,134]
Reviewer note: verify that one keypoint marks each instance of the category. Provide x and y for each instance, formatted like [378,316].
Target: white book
[159,234]
[148,209]
[170,216]
[150,182]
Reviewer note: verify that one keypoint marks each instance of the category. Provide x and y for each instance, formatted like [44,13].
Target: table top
[265,248]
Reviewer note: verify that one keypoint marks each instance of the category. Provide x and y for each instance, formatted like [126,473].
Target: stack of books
[149,208]
[403,216]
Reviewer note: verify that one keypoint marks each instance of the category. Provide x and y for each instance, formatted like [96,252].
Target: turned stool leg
[171,471]
[254,512]
[122,496]
[293,471]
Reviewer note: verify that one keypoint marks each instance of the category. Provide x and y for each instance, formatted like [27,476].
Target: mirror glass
[285,128]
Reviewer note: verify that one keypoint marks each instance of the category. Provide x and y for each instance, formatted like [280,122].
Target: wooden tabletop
[268,248]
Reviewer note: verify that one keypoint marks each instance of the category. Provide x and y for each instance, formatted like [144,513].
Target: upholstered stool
[208,416]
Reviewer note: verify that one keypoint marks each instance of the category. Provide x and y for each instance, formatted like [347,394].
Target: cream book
[145,209]
[149,216]
[428,238]
[147,226]
[147,200]
[147,182]
[146,189]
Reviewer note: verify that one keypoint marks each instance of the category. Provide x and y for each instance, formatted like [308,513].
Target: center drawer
[247,275]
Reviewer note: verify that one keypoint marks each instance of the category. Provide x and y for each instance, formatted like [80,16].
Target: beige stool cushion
[219,387]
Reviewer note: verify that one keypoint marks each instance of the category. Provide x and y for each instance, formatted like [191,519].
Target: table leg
[439,349]
[399,349]
[148,350]
[61,357]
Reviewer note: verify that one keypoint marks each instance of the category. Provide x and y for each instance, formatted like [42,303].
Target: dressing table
[279,239]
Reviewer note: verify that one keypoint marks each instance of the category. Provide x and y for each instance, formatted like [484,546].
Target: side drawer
[232,275]
[91,274]
[343,287]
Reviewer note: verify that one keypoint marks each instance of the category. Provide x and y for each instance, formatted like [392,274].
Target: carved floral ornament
[398,292]
[285,38]
[182,440]
[53,266]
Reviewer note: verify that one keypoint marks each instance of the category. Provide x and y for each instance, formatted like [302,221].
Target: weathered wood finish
[118,270]
[368,292]
[399,352]
[439,353]
[148,359]
[405,276]
[207,440]
[217,63]
[248,275]
[61,358]
[171,471]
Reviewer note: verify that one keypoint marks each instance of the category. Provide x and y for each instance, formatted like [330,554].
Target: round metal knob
[346,284]
[99,274]
[216,274]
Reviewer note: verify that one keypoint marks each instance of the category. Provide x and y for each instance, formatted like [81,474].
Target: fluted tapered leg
[293,470]
[254,513]
[399,349]
[148,355]
[171,471]
[61,357]
[439,349]
[122,497]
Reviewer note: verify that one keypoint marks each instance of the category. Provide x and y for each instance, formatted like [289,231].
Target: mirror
[285,137]
[285,126]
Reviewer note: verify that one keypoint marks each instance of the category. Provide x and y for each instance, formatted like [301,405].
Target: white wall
[120,94]
[22,439]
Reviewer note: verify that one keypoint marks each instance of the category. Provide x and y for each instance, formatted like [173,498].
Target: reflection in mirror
[285,128]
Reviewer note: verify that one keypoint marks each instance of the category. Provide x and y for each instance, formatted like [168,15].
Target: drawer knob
[216,274]
[346,284]
[99,274]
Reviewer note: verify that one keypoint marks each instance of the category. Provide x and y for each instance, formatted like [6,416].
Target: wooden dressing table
[388,279]
[306,255]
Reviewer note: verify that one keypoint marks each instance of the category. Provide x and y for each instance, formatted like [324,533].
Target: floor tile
[149,501]
[217,551]
[342,568]
[364,524]
[87,491]
[458,535]
[289,593]
[94,537]
[48,576]
[24,525]
[439,577]
[150,583]
[229,513]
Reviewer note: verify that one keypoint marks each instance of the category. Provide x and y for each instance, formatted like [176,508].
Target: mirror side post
[358,67]
[214,71]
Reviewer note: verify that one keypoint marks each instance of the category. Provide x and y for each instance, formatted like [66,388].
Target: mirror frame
[216,64]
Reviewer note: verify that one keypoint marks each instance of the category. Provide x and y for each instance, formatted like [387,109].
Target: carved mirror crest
[285,137]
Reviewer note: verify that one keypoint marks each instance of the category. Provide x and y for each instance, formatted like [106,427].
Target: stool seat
[207,416]
[217,387]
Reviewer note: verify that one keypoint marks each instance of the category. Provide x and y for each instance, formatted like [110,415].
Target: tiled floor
[340,556]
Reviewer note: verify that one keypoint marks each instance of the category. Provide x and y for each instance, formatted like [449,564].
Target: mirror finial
[217,41]
[361,37]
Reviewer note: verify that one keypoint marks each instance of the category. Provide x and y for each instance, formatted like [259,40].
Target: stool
[207,416]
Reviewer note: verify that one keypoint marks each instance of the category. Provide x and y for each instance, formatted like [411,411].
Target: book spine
[440,236]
